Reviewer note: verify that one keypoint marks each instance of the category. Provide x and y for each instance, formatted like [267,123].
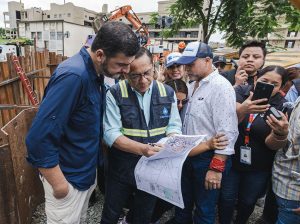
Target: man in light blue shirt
[139,111]
[292,94]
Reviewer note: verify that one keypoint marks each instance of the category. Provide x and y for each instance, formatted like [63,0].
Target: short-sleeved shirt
[262,157]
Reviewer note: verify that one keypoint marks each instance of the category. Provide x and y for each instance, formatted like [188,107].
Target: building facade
[62,29]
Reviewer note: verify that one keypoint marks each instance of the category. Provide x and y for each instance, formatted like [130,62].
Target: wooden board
[27,189]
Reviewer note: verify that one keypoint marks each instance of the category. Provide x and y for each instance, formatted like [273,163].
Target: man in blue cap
[211,110]
[219,62]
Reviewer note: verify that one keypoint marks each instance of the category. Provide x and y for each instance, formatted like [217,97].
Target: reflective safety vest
[134,124]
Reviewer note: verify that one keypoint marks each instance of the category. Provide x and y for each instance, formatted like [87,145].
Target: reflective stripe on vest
[124,91]
[162,90]
[135,132]
[157,131]
[143,133]
[123,88]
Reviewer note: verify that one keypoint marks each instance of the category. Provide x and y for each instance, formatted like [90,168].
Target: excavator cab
[126,11]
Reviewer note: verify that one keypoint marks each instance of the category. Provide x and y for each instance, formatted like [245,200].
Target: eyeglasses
[184,101]
[147,75]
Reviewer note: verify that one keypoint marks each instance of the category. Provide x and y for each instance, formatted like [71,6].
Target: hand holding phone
[241,77]
[274,112]
[263,91]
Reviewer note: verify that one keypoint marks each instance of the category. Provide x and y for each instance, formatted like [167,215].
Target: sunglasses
[184,101]
[220,65]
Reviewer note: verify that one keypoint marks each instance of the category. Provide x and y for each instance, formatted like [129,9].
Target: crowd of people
[83,126]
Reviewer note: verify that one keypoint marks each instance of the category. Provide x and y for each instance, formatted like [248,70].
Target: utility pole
[163,24]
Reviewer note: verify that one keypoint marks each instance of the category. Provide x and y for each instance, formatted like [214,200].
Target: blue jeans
[286,215]
[194,192]
[247,187]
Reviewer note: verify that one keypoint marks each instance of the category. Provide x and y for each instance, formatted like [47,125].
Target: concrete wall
[60,37]
[12,8]
[76,39]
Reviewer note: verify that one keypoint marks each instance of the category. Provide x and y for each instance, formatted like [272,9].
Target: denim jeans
[286,215]
[270,211]
[194,192]
[247,187]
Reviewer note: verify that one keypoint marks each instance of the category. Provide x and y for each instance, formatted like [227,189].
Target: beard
[104,71]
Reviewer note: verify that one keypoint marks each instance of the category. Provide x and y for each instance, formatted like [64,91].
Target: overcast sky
[95,5]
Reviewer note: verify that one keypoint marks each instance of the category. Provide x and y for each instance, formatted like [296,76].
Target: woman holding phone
[252,163]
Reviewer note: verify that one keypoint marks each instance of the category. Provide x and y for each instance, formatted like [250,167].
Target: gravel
[94,213]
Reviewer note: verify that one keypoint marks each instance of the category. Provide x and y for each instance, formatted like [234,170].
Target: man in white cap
[211,110]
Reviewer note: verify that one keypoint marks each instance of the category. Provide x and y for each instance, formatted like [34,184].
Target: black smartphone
[274,112]
[262,90]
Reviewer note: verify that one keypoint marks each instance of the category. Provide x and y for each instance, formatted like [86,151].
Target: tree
[2,32]
[239,19]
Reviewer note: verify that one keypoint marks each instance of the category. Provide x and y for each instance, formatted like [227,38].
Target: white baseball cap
[172,59]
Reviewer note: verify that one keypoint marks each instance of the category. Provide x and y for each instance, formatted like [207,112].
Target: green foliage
[239,19]
[2,32]
[154,18]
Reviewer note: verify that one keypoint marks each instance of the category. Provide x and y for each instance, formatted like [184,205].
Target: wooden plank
[40,80]
[36,81]
[8,197]
[21,88]
[7,94]
[14,96]
[25,176]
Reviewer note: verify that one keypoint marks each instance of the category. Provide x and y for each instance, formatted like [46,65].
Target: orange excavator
[127,12]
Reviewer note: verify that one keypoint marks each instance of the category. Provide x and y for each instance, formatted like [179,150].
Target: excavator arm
[127,12]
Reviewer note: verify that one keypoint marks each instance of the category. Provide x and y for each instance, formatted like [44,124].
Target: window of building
[32,35]
[59,16]
[18,14]
[289,44]
[91,18]
[48,16]
[52,36]
[194,34]
[55,16]
[87,23]
[59,35]
[292,33]
[69,14]
[24,15]
[39,36]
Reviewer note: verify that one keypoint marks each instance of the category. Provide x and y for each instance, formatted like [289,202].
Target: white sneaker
[123,221]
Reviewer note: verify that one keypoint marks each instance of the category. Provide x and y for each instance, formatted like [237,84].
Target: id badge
[245,155]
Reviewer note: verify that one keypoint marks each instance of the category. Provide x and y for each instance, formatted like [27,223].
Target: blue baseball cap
[193,51]
[172,59]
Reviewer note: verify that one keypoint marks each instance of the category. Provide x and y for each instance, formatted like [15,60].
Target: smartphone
[274,112]
[262,90]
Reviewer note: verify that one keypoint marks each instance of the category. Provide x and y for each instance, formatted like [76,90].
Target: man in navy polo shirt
[64,140]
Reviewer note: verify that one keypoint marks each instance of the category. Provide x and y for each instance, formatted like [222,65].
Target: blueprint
[160,174]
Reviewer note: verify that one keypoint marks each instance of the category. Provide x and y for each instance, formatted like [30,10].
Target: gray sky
[95,5]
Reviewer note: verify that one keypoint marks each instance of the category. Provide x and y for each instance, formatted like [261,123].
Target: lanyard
[248,128]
